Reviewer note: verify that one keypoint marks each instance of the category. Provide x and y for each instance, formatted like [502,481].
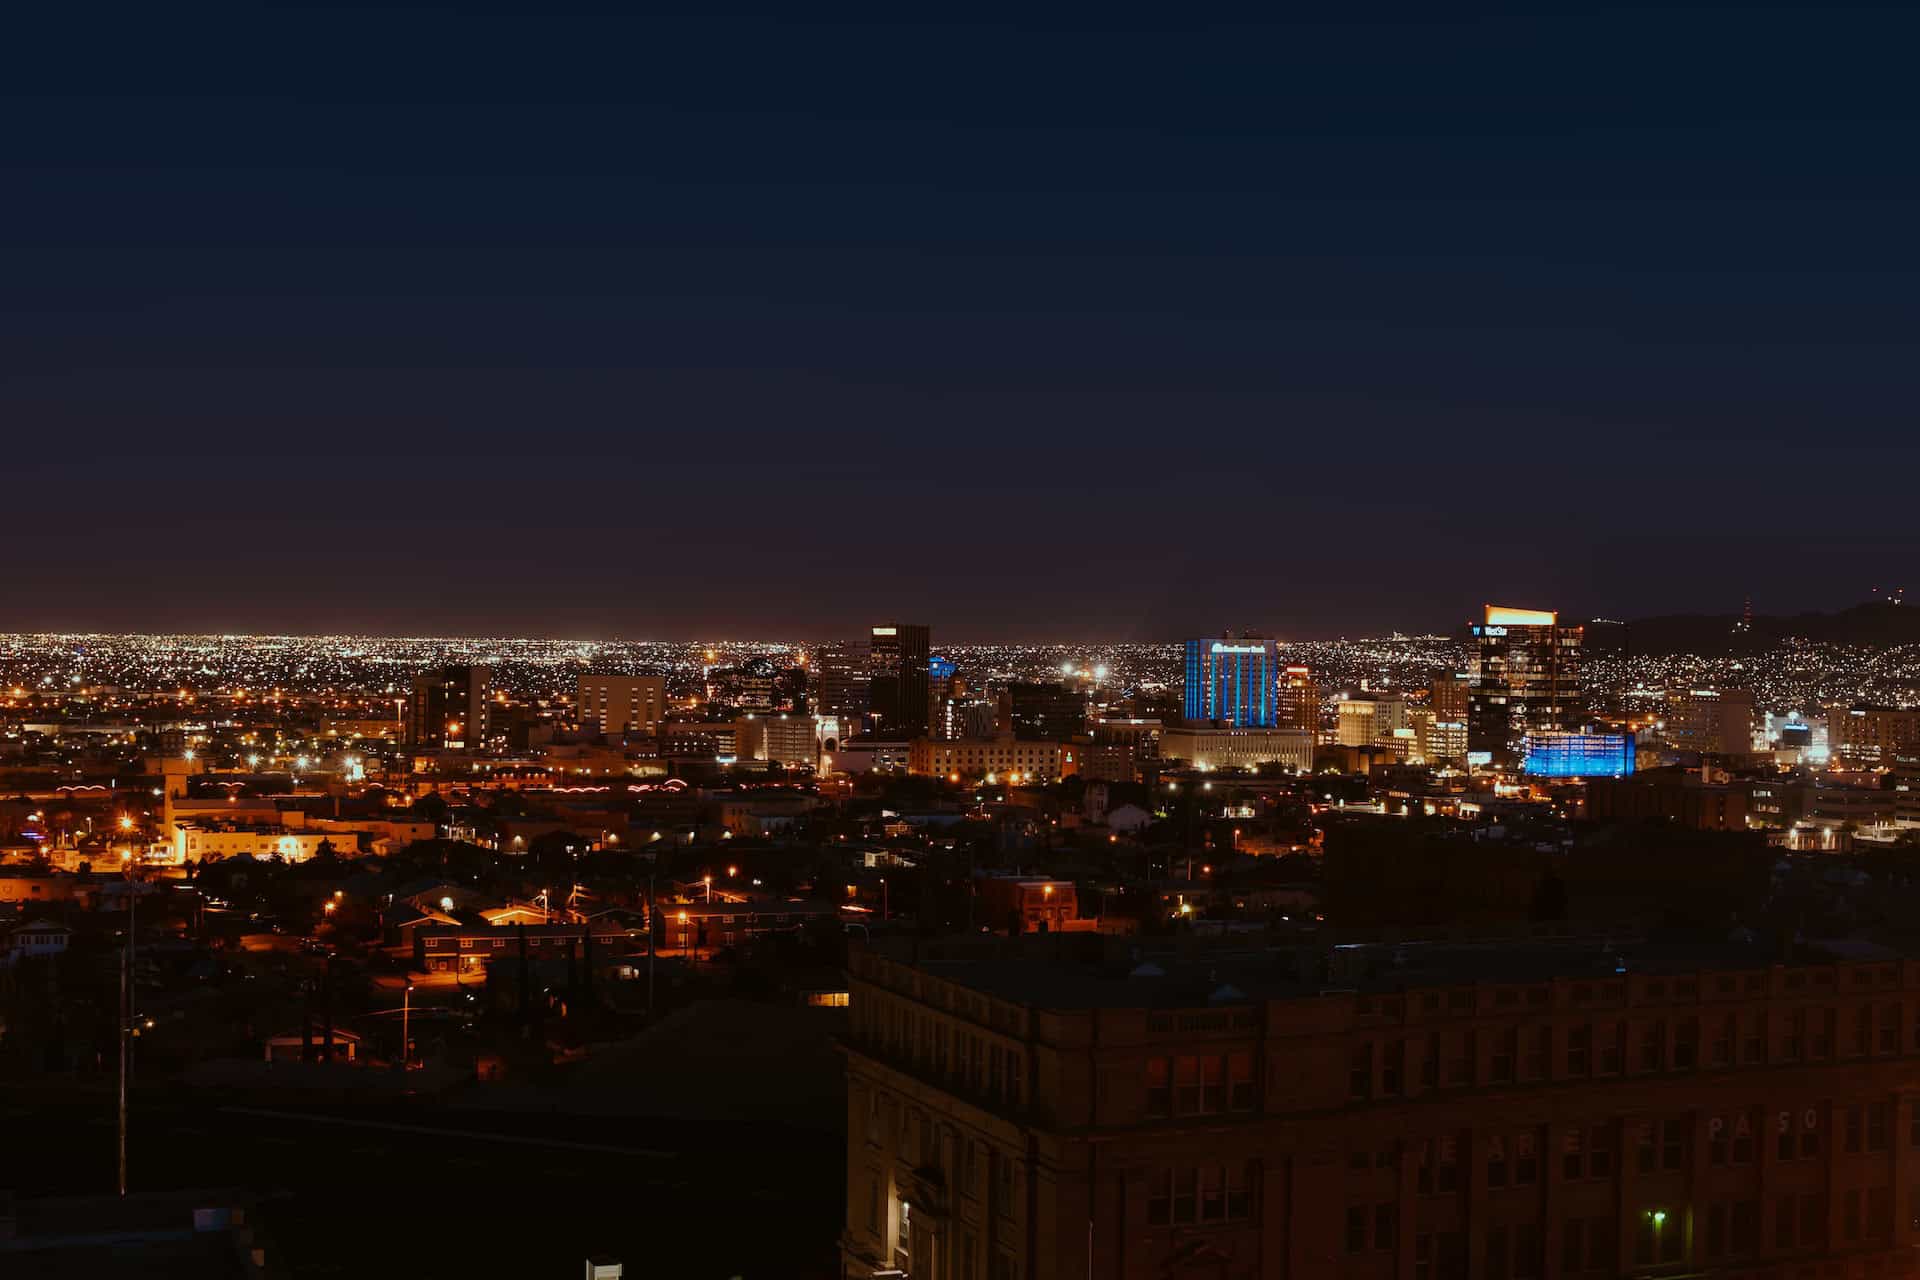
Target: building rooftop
[1078,972]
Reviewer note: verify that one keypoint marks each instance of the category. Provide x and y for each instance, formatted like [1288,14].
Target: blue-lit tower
[1233,680]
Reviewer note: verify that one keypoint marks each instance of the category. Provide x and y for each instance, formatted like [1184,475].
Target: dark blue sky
[562,319]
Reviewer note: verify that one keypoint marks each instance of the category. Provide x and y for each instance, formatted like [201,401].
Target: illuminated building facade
[1369,719]
[1865,737]
[615,705]
[1004,759]
[1710,721]
[1578,755]
[1232,681]
[452,708]
[1208,747]
[1052,1108]
[1298,705]
[1526,679]
[899,662]
[841,682]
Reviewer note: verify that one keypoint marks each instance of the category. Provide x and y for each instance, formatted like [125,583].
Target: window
[1356,1228]
[1746,1226]
[1186,1084]
[1879,1125]
[1496,1162]
[1784,1219]
[1662,1145]
[1209,1193]
[1854,1118]
[1795,1037]
[1526,1251]
[1393,1067]
[1813,1221]
[1686,1044]
[1879,1212]
[1505,1049]
[1386,1225]
[1579,1055]
[1430,1063]
[1526,1159]
[1890,1028]
[1753,1046]
[1496,1268]
[1240,1081]
[1850,1215]
[1653,1046]
[1460,1065]
[1213,1088]
[1724,1030]
[1611,1036]
[1360,1071]
[1862,1030]
[1539,1053]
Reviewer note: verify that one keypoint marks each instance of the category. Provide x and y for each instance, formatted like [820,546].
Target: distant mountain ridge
[1875,624]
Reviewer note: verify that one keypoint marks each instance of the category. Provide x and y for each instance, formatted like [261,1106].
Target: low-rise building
[1004,758]
[1207,747]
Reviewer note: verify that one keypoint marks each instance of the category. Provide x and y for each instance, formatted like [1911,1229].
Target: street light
[406,1012]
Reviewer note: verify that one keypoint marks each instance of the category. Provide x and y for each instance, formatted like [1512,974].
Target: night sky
[551,319]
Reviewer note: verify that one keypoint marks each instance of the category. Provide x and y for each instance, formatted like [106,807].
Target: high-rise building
[899,656]
[1298,706]
[614,705]
[748,687]
[1710,721]
[1864,737]
[1232,681]
[452,708]
[841,681]
[1451,695]
[1044,710]
[1526,678]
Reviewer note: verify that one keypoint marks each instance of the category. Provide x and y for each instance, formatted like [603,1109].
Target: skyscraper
[1234,681]
[841,681]
[1299,700]
[452,708]
[898,660]
[1526,678]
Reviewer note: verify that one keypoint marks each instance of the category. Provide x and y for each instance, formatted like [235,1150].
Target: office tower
[1450,698]
[1044,710]
[1299,700]
[842,684]
[1370,719]
[899,655]
[1232,681]
[452,708]
[1526,678]
[1865,737]
[615,705]
[1559,754]
[748,687]
[1710,721]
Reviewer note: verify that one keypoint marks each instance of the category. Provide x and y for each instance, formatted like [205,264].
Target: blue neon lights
[1578,755]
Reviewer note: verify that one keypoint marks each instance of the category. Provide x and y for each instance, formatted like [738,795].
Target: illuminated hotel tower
[1525,679]
[1233,681]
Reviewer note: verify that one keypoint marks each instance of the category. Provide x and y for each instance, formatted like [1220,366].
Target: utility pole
[652,943]
[126,1026]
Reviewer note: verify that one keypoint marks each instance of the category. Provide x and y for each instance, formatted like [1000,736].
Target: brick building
[1054,1107]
